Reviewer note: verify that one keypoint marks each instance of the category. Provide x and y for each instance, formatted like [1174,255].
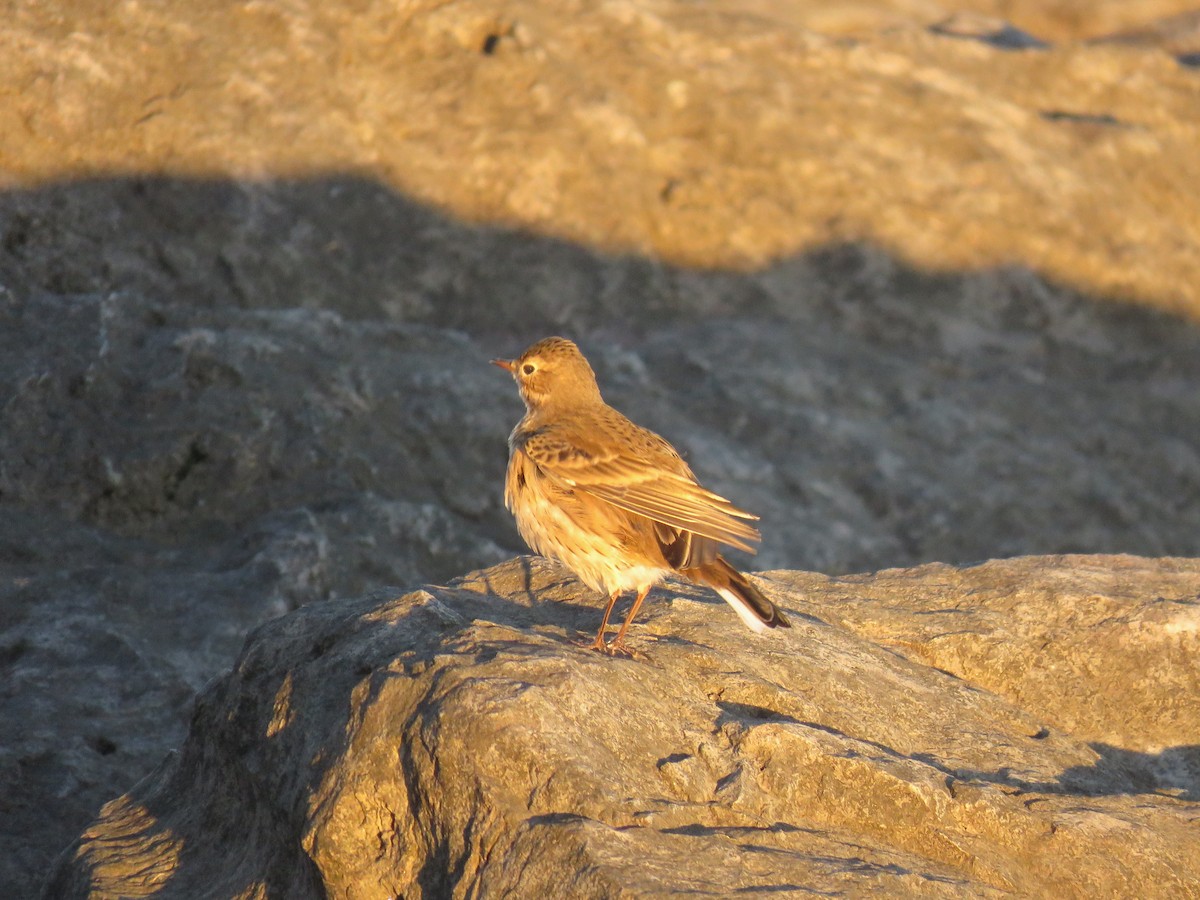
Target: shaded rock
[995,32]
[454,742]
[870,413]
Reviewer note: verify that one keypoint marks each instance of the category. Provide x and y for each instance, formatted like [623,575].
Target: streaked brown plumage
[613,501]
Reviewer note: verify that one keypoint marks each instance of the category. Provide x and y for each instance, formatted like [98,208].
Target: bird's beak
[505,364]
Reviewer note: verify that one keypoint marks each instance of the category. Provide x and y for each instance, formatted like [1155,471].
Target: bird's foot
[600,645]
[618,648]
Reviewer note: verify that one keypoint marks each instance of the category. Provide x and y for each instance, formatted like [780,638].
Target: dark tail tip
[768,613]
[778,619]
[720,574]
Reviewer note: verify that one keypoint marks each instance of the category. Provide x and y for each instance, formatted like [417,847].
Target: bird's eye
[527,368]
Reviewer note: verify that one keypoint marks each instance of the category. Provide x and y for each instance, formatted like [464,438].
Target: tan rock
[920,733]
[732,136]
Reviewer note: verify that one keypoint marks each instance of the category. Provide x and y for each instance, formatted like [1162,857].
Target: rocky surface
[907,290]
[930,732]
[710,135]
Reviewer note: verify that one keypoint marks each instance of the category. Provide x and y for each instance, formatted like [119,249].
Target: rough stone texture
[727,136]
[931,732]
[872,276]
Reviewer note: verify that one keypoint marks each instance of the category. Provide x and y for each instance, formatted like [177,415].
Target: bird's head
[552,371]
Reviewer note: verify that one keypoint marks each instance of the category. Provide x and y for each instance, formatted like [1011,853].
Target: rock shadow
[1173,771]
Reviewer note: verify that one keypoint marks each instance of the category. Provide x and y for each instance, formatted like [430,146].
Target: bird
[615,502]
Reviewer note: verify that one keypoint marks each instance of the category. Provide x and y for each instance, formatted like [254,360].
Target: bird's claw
[600,645]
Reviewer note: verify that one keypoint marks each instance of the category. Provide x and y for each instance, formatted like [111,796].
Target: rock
[1178,35]
[176,473]
[708,136]
[931,732]
[907,297]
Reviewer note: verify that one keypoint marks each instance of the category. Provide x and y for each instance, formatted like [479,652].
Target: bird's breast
[606,547]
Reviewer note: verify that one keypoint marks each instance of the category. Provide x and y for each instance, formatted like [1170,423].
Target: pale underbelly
[596,555]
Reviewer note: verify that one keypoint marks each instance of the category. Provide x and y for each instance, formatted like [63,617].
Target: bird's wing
[640,472]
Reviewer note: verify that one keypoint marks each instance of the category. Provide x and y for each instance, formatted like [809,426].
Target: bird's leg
[599,643]
[618,646]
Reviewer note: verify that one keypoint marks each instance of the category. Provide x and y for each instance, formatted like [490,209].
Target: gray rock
[454,742]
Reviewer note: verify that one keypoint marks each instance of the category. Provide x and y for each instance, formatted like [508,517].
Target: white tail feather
[745,613]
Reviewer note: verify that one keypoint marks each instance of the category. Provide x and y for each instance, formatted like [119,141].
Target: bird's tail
[747,601]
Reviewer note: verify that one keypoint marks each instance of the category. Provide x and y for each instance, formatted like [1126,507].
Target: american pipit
[613,501]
